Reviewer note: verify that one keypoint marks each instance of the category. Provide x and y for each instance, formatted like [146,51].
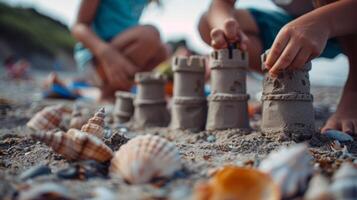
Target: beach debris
[290,167]
[84,170]
[211,139]
[48,118]
[336,146]
[45,191]
[319,189]
[75,145]
[5,105]
[232,182]
[116,140]
[344,185]
[338,135]
[144,158]
[35,171]
[95,125]
[77,118]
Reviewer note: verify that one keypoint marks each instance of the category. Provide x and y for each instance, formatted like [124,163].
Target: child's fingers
[218,39]
[279,45]
[301,58]
[231,29]
[285,58]
[243,41]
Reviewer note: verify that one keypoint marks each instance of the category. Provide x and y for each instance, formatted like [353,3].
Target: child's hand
[118,70]
[229,33]
[297,43]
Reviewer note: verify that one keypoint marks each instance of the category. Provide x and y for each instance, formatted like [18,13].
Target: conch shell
[290,167]
[48,118]
[75,145]
[95,125]
[77,118]
[238,183]
[344,186]
[145,157]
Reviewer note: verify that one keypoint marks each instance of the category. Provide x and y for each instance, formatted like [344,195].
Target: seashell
[318,189]
[75,145]
[48,118]
[233,182]
[95,125]
[290,167]
[145,157]
[344,185]
[45,191]
[77,118]
[338,135]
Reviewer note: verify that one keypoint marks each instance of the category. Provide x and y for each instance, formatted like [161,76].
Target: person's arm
[226,28]
[305,38]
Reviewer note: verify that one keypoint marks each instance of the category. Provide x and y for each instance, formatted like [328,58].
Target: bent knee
[150,34]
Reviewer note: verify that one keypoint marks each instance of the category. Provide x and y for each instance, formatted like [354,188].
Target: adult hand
[297,43]
[230,32]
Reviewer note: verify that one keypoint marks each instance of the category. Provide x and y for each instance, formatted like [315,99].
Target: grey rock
[338,135]
[36,171]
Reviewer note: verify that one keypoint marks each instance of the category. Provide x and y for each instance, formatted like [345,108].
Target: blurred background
[36,32]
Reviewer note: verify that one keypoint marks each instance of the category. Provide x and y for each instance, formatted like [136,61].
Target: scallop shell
[145,157]
[238,183]
[75,145]
[77,118]
[319,189]
[95,125]
[344,184]
[290,168]
[48,118]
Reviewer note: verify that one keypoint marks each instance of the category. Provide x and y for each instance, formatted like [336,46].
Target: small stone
[211,139]
[102,193]
[68,173]
[35,171]
[45,191]
[338,135]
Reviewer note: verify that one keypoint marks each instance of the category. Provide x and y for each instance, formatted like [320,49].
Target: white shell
[75,145]
[344,186]
[290,168]
[319,189]
[146,157]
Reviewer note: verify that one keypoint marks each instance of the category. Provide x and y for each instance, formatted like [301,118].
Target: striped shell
[75,145]
[238,183]
[344,185]
[95,125]
[290,168]
[145,157]
[77,118]
[48,118]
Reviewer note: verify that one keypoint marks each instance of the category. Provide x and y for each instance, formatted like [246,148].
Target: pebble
[35,172]
[45,191]
[68,173]
[338,135]
[211,139]
[102,193]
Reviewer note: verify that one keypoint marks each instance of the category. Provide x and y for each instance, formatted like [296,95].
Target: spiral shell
[238,183]
[344,186]
[75,145]
[145,157]
[290,168]
[95,125]
[77,118]
[48,118]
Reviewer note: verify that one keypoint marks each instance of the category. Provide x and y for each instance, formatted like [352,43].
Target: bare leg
[345,118]
[250,28]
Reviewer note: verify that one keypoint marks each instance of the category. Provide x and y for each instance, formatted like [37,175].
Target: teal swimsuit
[270,22]
[112,18]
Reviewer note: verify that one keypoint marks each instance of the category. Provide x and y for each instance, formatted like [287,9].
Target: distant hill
[26,33]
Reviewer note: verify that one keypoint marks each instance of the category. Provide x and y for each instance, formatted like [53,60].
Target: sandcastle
[189,110]
[228,107]
[124,108]
[287,103]
[150,104]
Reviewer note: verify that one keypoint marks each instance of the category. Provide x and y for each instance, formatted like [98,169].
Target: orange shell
[95,125]
[48,118]
[235,183]
[75,145]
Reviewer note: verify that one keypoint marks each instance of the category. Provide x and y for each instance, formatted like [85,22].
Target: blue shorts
[270,22]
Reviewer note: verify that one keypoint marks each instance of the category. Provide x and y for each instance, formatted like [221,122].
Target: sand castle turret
[150,104]
[189,110]
[228,107]
[287,103]
[123,108]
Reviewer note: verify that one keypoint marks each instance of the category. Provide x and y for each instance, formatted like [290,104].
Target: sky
[178,18]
